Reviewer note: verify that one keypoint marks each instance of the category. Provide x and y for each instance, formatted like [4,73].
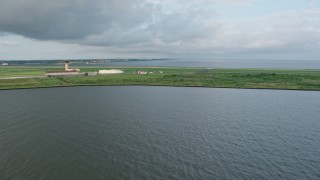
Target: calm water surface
[274,64]
[159,133]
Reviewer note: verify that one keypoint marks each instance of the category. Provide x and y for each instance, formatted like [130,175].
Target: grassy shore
[195,77]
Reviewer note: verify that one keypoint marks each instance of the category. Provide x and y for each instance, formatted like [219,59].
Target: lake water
[274,64]
[159,133]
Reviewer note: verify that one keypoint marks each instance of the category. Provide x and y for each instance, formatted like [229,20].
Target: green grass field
[196,77]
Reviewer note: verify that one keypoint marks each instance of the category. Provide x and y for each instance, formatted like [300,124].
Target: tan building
[67,71]
[66,67]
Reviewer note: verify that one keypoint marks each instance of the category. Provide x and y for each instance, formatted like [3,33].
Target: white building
[141,72]
[111,71]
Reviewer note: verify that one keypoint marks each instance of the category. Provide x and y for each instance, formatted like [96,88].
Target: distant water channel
[159,133]
[271,64]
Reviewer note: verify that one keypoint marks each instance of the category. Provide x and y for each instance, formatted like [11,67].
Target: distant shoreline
[33,77]
[51,87]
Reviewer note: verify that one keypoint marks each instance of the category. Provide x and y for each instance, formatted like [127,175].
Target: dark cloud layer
[68,19]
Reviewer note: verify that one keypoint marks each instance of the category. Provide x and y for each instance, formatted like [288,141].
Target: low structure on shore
[141,72]
[62,73]
[90,73]
[110,71]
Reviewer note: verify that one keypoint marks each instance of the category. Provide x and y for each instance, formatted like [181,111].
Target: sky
[180,29]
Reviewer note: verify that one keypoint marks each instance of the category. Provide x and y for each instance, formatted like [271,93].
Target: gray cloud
[80,19]
[160,26]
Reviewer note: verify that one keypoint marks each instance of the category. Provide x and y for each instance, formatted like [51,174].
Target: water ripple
[159,133]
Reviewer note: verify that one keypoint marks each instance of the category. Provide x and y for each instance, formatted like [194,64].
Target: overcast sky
[195,29]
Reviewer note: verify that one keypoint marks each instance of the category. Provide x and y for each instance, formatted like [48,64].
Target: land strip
[166,76]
